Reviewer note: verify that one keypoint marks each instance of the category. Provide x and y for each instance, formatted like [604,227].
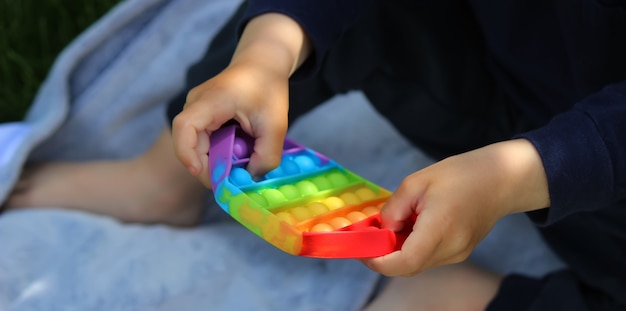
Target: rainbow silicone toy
[308,206]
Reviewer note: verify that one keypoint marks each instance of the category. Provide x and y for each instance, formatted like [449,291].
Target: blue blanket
[104,98]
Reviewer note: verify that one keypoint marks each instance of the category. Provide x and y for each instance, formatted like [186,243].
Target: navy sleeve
[324,21]
[584,155]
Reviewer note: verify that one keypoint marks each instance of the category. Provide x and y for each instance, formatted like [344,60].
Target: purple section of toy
[220,156]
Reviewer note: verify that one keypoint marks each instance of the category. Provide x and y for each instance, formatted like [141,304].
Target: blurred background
[32,34]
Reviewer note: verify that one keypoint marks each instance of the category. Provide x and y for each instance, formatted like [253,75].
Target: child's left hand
[458,201]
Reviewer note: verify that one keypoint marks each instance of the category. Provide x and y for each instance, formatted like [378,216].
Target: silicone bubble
[365,194]
[322,227]
[301,213]
[289,167]
[274,196]
[339,222]
[370,210]
[317,208]
[350,198]
[305,163]
[356,216]
[240,176]
[322,183]
[334,202]
[306,187]
[240,148]
[275,173]
[289,191]
[337,179]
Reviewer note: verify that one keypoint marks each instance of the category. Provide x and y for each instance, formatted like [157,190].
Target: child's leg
[152,188]
[455,287]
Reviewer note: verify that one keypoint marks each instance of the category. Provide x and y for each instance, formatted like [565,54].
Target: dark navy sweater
[563,62]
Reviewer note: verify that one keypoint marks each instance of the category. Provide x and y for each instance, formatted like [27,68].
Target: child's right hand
[252,90]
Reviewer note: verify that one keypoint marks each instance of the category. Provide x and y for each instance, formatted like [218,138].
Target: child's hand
[257,100]
[458,201]
[252,90]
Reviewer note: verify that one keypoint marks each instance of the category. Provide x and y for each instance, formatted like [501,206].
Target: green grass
[32,33]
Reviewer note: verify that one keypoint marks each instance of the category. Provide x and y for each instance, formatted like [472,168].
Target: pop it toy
[308,206]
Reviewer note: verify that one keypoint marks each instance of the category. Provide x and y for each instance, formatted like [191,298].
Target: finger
[402,204]
[416,254]
[185,137]
[202,153]
[268,146]
[187,125]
